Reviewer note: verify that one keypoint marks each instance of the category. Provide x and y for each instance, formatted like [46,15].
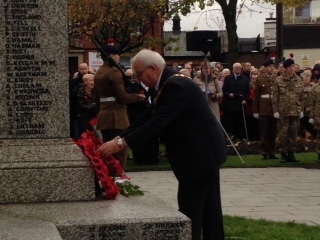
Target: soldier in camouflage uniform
[314,112]
[287,102]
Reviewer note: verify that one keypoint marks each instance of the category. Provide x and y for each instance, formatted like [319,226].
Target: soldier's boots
[285,158]
[291,157]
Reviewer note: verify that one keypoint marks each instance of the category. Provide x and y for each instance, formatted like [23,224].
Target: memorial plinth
[134,218]
[34,170]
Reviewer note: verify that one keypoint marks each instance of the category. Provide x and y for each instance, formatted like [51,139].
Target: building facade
[300,32]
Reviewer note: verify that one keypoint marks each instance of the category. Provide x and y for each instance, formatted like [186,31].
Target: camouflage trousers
[288,129]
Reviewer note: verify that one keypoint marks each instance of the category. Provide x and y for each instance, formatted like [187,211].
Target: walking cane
[232,144]
[206,87]
[245,122]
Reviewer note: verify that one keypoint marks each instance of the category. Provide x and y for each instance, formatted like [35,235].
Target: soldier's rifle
[127,80]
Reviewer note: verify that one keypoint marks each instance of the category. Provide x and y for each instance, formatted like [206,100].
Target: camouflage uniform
[287,100]
[313,109]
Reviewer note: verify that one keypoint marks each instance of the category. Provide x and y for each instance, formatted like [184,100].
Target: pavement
[278,194]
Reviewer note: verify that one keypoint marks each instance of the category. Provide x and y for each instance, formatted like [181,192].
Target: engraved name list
[27,95]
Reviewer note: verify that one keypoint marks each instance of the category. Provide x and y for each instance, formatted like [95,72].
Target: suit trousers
[108,135]
[200,200]
[234,124]
[268,126]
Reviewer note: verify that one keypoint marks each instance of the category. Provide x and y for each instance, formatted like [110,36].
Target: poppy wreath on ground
[106,169]
[307,144]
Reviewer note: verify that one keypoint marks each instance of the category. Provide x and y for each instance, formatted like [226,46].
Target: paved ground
[281,194]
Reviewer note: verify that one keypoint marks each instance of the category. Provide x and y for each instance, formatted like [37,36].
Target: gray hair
[225,70]
[235,64]
[306,73]
[148,57]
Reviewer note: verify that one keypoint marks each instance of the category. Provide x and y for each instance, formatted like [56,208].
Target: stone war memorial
[47,188]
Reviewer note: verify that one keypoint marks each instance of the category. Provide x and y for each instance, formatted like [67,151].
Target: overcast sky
[250,24]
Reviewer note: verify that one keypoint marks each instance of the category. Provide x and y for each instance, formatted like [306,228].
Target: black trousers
[201,202]
[268,126]
[147,153]
[234,124]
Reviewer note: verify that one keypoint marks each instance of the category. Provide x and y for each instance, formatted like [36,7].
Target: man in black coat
[193,138]
[74,85]
[236,91]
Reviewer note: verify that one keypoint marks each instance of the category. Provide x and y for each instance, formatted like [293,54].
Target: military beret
[267,63]
[109,49]
[288,63]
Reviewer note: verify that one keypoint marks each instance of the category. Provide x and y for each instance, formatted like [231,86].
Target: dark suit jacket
[241,90]
[181,116]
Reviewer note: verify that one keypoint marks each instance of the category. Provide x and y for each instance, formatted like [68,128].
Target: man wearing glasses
[193,137]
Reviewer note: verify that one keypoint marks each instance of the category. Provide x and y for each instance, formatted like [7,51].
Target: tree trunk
[231,27]
[229,11]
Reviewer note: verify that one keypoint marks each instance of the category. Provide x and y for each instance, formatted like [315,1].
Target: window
[309,13]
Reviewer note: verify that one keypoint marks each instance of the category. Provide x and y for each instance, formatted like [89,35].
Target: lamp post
[279,27]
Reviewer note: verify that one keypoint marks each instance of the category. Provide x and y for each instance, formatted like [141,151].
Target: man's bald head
[129,72]
[83,68]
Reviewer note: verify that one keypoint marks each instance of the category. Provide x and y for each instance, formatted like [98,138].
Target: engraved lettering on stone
[26,97]
[110,232]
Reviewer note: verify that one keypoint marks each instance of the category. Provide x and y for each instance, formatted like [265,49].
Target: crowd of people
[264,103]
[253,103]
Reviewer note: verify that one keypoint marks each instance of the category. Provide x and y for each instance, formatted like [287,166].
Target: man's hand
[276,115]
[311,121]
[231,95]
[244,102]
[301,115]
[256,115]
[111,147]
[142,97]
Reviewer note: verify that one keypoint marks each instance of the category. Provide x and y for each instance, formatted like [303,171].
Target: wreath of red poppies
[106,169]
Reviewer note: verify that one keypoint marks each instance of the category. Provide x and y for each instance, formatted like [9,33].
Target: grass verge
[242,228]
[307,160]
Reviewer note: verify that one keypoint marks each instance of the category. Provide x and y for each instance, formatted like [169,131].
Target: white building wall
[303,56]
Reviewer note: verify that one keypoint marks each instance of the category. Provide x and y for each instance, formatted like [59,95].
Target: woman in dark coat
[315,73]
[87,103]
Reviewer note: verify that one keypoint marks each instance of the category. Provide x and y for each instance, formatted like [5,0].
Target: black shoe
[264,156]
[291,157]
[272,156]
[284,157]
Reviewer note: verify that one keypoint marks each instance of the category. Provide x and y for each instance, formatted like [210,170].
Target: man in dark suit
[193,138]
[236,92]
